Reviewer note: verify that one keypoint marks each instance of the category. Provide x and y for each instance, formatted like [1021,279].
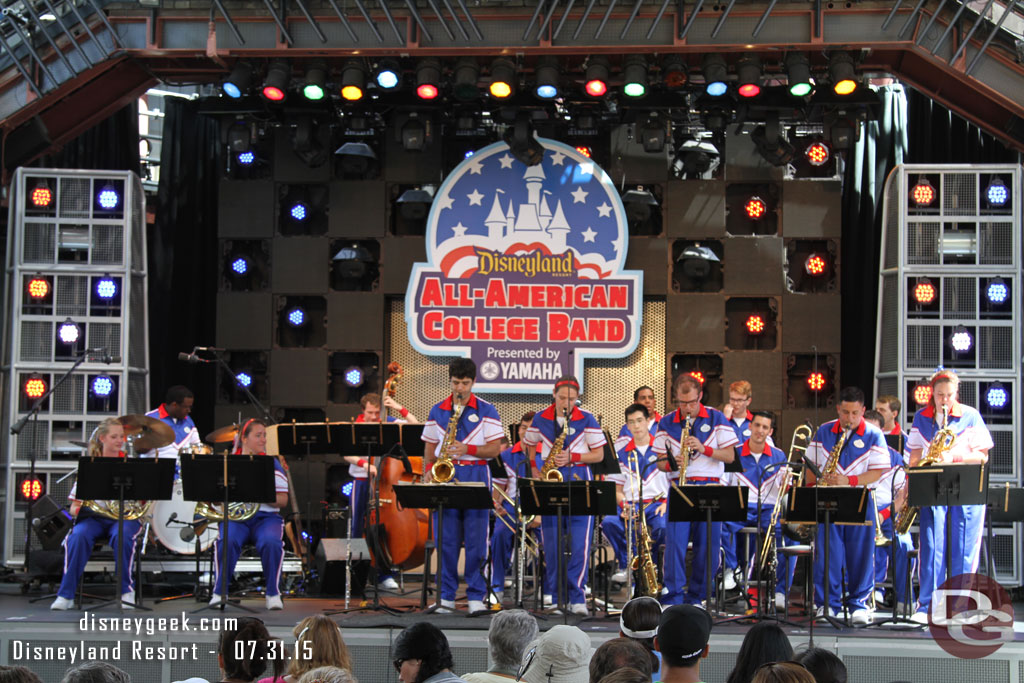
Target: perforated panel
[1001,460]
[39,243]
[923,347]
[34,435]
[922,243]
[995,348]
[959,297]
[107,245]
[74,198]
[995,243]
[72,295]
[69,397]
[889,350]
[105,336]
[892,217]
[36,338]
[925,669]
[1006,555]
[137,316]
[959,194]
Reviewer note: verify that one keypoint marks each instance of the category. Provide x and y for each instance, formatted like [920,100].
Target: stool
[800,551]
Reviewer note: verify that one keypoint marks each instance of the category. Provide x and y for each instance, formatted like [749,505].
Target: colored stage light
[748,74]
[755,324]
[296,317]
[426,91]
[298,212]
[42,196]
[237,82]
[246,158]
[634,76]
[674,72]
[102,386]
[38,288]
[548,77]
[314,88]
[275,87]
[244,379]
[35,387]
[961,340]
[353,80]
[465,79]
[923,193]
[585,151]
[30,489]
[347,488]
[815,265]
[388,74]
[842,72]
[596,77]
[240,265]
[816,381]
[755,208]
[69,332]
[698,375]
[997,193]
[715,74]
[503,79]
[924,291]
[997,291]
[997,396]
[428,79]
[817,153]
[108,197]
[354,376]
[922,394]
[106,288]
[798,73]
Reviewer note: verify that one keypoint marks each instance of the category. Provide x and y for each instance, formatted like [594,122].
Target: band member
[737,412]
[640,489]
[971,445]
[477,437]
[90,526]
[503,540]
[889,408]
[265,528]
[645,397]
[703,454]
[583,443]
[175,411]
[359,466]
[863,459]
[895,477]
[763,473]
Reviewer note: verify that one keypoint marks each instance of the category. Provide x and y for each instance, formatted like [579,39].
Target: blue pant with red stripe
[472,529]
[357,508]
[784,570]
[265,529]
[614,528]
[854,545]
[503,543]
[967,522]
[902,545]
[78,548]
[677,536]
[577,531]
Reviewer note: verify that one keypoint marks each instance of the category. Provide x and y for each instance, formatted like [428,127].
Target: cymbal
[222,435]
[149,432]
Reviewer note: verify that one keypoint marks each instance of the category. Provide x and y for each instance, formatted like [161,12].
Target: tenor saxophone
[937,449]
[549,471]
[443,469]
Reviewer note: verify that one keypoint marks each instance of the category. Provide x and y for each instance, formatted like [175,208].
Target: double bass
[396,536]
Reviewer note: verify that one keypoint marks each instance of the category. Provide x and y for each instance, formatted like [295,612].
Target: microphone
[207,348]
[174,516]
[101,356]
[809,464]
[189,358]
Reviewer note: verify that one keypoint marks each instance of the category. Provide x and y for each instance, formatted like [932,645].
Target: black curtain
[111,145]
[938,136]
[183,256]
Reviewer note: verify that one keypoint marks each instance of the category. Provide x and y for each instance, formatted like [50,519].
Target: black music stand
[471,495]
[708,504]
[828,505]
[124,479]
[227,478]
[1005,504]
[561,498]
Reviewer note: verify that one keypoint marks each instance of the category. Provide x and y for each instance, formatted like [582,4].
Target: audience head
[824,665]
[326,646]
[765,642]
[782,672]
[639,621]
[421,651]
[561,654]
[95,672]
[510,632]
[327,674]
[683,634]
[249,629]
[619,653]
[627,675]
[18,674]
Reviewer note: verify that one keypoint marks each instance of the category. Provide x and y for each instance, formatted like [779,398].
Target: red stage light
[817,153]
[38,287]
[31,489]
[35,387]
[273,94]
[426,91]
[755,208]
[924,292]
[755,324]
[698,375]
[923,193]
[749,90]
[922,394]
[815,381]
[585,151]
[815,265]
[42,196]
[596,88]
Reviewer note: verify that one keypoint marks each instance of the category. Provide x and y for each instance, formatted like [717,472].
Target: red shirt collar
[447,403]
[549,413]
[656,416]
[836,428]
[929,412]
[162,412]
[678,414]
[518,448]
[896,429]
[746,448]
[750,415]
[360,418]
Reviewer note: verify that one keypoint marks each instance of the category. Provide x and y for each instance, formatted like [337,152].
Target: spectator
[327,674]
[627,675]
[782,672]
[560,655]
[764,642]
[639,622]
[193,679]
[18,674]
[510,632]
[825,666]
[254,635]
[619,653]
[682,640]
[96,672]
[319,641]
[422,655]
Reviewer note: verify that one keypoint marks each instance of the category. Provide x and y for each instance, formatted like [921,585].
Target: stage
[171,642]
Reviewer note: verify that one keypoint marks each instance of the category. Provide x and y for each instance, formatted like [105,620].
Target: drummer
[174,411]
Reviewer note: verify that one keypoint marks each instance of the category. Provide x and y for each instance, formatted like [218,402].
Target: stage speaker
[51,522]
[330,565]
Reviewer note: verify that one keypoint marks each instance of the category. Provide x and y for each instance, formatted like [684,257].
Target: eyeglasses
[687,403]
[398,664]
[527,660]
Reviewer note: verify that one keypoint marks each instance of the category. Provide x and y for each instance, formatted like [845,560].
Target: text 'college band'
[690,445]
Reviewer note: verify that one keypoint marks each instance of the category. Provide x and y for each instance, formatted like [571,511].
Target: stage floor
[171,642]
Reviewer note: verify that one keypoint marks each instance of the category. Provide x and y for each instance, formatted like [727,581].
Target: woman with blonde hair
[318,643]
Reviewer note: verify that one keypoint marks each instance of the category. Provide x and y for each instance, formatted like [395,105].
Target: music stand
[828,505]
[1005,504]
[227,478]
[561,498]
[708,504]
[470,495]
[124,479]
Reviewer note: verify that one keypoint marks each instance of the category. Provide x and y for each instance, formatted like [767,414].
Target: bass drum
[167,517]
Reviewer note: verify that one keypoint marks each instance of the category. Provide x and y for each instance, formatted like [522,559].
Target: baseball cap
[684,631]
[561,654]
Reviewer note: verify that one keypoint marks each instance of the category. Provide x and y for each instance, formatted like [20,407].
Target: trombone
[529,540]
[803,434]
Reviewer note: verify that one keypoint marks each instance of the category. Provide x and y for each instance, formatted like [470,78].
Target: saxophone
[549,471]
[937,449]
[443,470]
[644,562]
[832,464]
[683,449]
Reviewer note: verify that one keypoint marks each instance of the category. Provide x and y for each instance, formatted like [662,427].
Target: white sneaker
[879,597]
[477,606]
[586,591]
[508,583]
[920,618]
[903,608]
[548,601]
[730,579]
[62,603]
[128,597]
[388,584]
[860,617]
[447,607]
[495,598]
[580,609]
[820,612]
[215,599]
[780,601]
[274,602]
[619,576]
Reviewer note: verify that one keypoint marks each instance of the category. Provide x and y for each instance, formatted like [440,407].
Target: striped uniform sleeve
[432,432]
[916,438]
[978,436]
[532,436]
[816,452]
[593,434]
[280,481]
[492,429]
[723,436]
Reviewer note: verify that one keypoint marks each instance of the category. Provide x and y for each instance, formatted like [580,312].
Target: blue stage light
[108,197]
[106,288]
[354,376]
[244,379]
[299,212]
[998,291]
[296,317]
[240,266]
[246,158]
[68,332]
[102,386]
[997,396]
[997,193]
[347,488]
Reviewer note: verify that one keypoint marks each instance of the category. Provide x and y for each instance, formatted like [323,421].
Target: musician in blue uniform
[583,443]
[703,454]
[737,412]
[863,459]
[645,397]
[477,438]
[503,540]
[971,446]
[175,411]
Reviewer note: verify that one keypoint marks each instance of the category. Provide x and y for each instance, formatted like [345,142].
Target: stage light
[244,379]
[997,396]
[108,197]
[697,375]
[521,140]
[102,386]
[353,80]
[239,137]
[923,193]
[816,381]
[585,151]
[414,133]
[275,86]
[240,265]
[715,74]
[922,394]
[695,157]
[817,153]
[654,133]
[842,73]
[468,154]
[961,340]
[298,211]
[503,79]
[428,79]
[354,376]
[996,193]
[639,205]
[673,72]
[106,288]
[815,265]
[755,208]
[596,77]
[38,288]
[414,204]
[346,488]
[42,195]
[465,77]
[350,265]
[246,158]
[770,142]
[34,387]
[634,76]
[798,73]
[296,317]
[755,324]
[697,261]
[388,74]
[30,488]
[315,85]
[924,291]
[355,159]
[238,81]
[69,332]
[548,78]
[997,291]
[748,76]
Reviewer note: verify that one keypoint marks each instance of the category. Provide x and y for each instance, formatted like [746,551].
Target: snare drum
[167,517]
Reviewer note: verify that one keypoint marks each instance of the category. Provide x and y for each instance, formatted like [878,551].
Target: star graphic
[476,167]
[589,234]
[615,246]
[445,202]
[585,169]
[460,230]
[474,198]
[579,196]
[557,159]
[506,161]
[604,210]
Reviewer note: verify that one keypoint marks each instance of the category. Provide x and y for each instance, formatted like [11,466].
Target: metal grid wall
[960,243]
[72,241]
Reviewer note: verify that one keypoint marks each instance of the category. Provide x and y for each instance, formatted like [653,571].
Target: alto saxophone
[937,449]
[549,471]
[443,469]
[684,449]
[832,464]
